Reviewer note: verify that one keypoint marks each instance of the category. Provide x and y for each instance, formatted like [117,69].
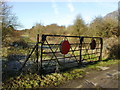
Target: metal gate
[82,50]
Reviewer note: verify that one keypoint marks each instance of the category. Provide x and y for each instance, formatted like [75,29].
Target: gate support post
[80,46]
[43,38]
[101,42]
[37,53]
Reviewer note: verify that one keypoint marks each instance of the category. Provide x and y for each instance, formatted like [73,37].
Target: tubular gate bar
[83,49]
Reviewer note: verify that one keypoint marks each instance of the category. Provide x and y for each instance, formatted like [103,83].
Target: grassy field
[54,79]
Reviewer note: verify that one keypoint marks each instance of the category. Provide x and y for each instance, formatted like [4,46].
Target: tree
[54,29]
[69,30]
[39,28]
[111,25]
[8,20]
[97,26]
[104,27]
[79,26]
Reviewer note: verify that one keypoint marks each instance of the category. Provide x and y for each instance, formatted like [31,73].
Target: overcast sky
[61,13]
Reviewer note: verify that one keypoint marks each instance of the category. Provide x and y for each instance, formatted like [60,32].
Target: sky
[62,13]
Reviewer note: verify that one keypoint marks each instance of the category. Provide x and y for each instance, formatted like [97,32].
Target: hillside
[113,14]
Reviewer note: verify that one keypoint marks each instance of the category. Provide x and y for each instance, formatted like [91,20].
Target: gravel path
[106,78]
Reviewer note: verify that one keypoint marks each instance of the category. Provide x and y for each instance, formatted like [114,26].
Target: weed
[53,79]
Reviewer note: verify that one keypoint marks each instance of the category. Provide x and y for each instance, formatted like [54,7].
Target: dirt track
[106,78]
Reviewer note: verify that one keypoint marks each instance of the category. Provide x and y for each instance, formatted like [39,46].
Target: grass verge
[53,79]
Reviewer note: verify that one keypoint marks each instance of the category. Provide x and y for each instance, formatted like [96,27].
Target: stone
[103,68]
[13,65]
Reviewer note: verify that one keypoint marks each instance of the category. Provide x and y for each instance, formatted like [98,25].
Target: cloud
[54,5]
[87,19]
[71,7]
[108,4]
[65,20]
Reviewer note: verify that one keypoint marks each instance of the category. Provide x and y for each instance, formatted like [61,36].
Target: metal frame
[81,46]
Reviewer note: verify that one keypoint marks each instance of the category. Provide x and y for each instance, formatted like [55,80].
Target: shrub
[114,52]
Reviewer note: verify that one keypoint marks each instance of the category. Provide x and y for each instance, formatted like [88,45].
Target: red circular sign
[64,47]
[93,44]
